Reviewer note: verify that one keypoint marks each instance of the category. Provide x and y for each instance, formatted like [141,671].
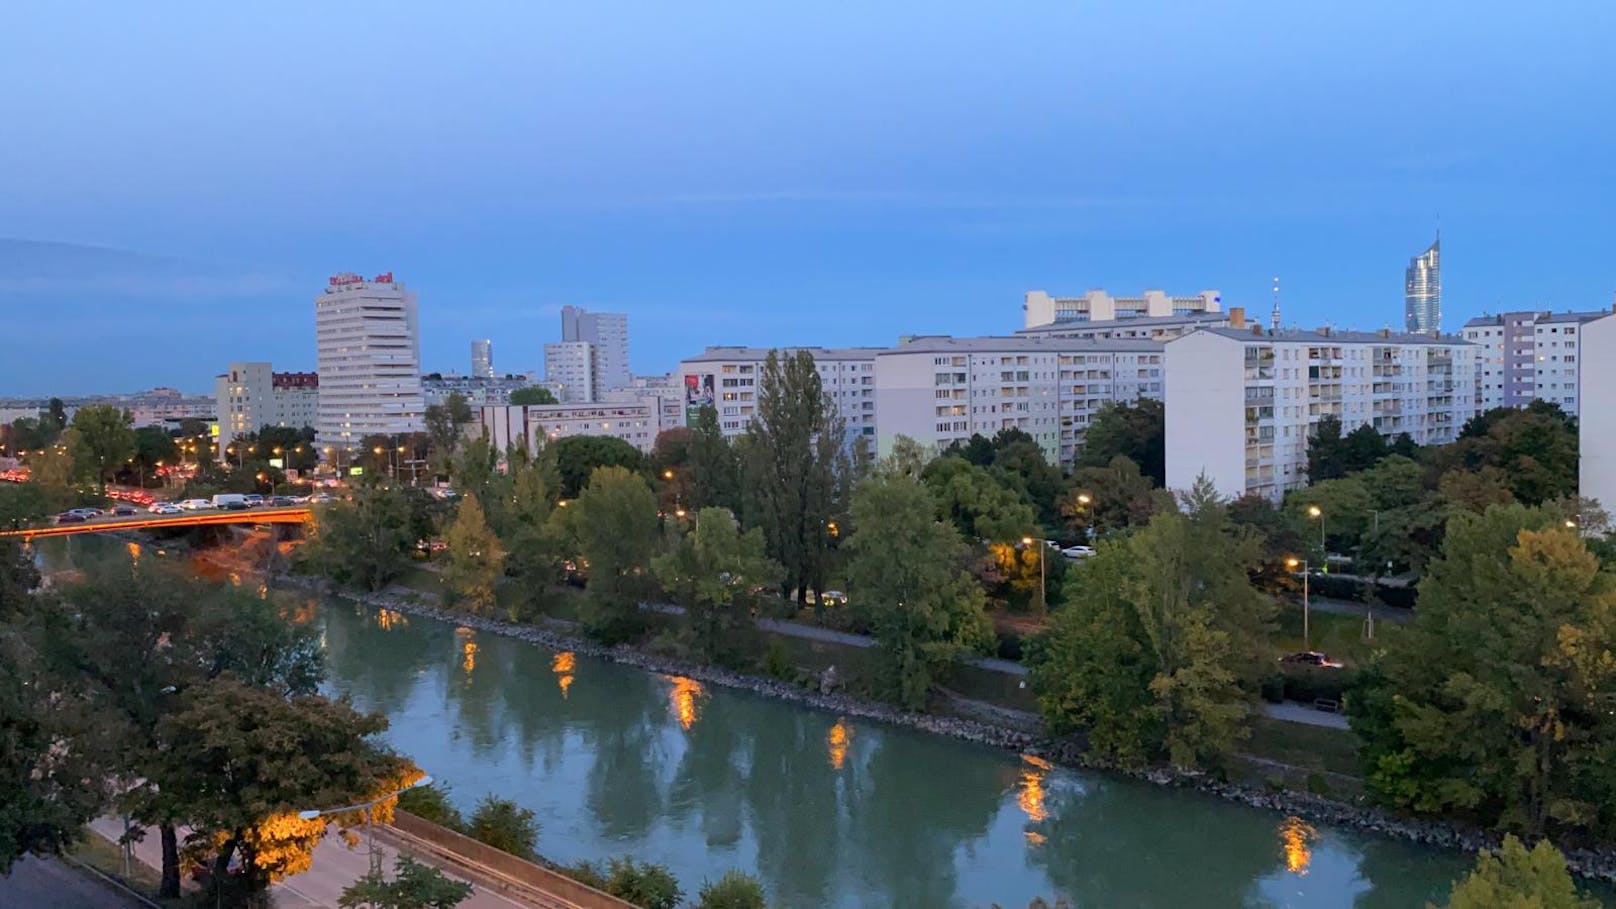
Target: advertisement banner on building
[698,394]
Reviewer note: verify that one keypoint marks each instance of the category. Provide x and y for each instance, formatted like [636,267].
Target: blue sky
[741,173]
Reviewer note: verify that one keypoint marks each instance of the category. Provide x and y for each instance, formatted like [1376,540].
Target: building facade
[635,419]
[251,395]
[607,335]
[1596,429]
[726,378]
[1242,402]
[1143,328]
[367,334]
[482,359]
[1041,309]
[569,371]
[1528,356]
[1422,290]
[478,391]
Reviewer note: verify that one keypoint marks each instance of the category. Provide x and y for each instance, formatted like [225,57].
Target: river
[828,812]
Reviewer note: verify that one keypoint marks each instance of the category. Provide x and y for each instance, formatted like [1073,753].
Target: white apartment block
[1144,328]
[482,359]
[607,333]
[478,391]
[726,378]
[252,395]
[1527,356]
[1596,429]
[939,390]
[367,334]
[1241,402]
[1041,309]
[569,370]
[635,420]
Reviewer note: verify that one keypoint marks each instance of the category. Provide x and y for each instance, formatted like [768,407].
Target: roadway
[49,883]
[143,519]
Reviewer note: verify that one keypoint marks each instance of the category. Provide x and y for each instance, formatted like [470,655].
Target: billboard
[698,394]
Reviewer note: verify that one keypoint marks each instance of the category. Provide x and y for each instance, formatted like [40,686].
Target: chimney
[1324,330]
[1386,332]
[1237,317]
[1256,328]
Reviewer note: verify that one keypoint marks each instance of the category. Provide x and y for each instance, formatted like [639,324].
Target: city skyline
[745,192]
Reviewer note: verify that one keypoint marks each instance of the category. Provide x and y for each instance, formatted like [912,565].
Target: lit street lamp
[1317,513]
[1043,589]
[1307,638]
[370,830]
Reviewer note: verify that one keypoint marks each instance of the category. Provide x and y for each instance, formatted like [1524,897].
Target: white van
[231,501]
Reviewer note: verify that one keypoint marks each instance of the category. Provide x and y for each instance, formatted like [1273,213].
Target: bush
[1010,644]
[777,662]
[587,874]
[647,885]
[506,826]
[1273,688]
[735,890]
[1307,684]
[431,803]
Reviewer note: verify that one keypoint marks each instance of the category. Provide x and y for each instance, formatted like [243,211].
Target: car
[70,517]
[124,511]
[281,501]
[196,504]
[321,499]
[833,598]
[87,513]
[253,499]
[1077,552]
[166,508]
[1310,658]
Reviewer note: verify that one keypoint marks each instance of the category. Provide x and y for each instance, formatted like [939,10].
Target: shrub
[777,662]
[431,803]
[507,826]
[647,885]
[1010,644]
[1273,688]
[735,890]
[1307,684]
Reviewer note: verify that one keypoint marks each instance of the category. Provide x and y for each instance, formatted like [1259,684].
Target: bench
[1327,705]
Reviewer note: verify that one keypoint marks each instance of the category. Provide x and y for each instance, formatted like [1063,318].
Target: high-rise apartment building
[1528,356]
[1596,427]
[1422,290]
[939,390]
[1041,309]
[569,369]
[726,378]
[251,396]
[482,359]
[367,334]
[607,333]
[1242,402]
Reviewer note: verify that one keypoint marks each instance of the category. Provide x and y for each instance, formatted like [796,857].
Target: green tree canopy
[1514,877]
[1100,500]
[577,457]
[735,890]
[506,826]
[414,886]
[363,542]
[102,441]
[533,395]
[444,425]
[977,503]
[1136,430]
[474,558]
[1325,460]
[714,468]
[615,523]
[906,576]
[1494,702]
[712,571]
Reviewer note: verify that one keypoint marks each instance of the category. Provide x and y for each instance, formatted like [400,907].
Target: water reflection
[388,619]
[707,780]
[1296,837]
[468,651]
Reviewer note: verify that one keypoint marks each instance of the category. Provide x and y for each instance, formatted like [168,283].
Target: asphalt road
[36,883]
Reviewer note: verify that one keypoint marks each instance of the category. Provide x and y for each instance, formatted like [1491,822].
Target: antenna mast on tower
[1273,318]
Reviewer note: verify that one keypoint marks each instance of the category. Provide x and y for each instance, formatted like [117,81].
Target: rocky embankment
[1596,864]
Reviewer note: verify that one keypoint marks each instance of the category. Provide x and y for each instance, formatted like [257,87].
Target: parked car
[70,517]
[86,513]
[321,499]
[231,501]
[280,501]
[196,504]
[166,508]
[1077,552]
[253,499]
[124,511]
[1310,658]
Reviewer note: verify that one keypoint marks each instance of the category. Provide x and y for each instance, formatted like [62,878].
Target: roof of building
[721,354]
[1535,316]
[992,343]
[1193,318]
[1332,336]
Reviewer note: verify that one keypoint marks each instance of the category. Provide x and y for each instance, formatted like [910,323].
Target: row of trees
[179,703]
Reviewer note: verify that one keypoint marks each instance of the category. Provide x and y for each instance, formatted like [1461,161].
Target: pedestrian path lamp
[1293,564]
[370,829]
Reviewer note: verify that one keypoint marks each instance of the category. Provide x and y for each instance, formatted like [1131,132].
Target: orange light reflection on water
[683,698]
[1296,837]
[562,665]
[837,741]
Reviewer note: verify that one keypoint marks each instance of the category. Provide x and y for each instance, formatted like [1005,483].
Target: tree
[153,444]
[1362,448]
[292,445]
[475,559]
[977,503]
[616,526]
[506,826]
[103,439]
[711,572]
[32,434]
[792,447]
[363,542]
[533,395]
[1475,490]
[1114,497]
[735,890]
[906,577]
[643,884]
[414,886]
[443,428]
[978,450]
[1021,459]
[1512,877]
[1134,430]
[1157,652]
[1325,459]
[238,763]
[577,457]
[1493,703]
[56,413]
[431,803]
[713,466]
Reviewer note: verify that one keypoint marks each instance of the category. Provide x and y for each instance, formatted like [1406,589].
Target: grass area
[419,577]
[1340,636]
[107,857]
[1313,747]
[998,688]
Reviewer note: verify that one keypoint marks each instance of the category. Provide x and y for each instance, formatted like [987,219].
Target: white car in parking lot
[1077,552]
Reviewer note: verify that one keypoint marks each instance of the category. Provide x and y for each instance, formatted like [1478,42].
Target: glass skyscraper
[1422,290]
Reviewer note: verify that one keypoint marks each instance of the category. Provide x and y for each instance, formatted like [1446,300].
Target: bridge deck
[296,515]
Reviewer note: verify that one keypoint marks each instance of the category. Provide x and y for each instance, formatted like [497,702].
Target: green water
[828,812]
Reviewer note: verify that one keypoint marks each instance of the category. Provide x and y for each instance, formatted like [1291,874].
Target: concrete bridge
[261,515]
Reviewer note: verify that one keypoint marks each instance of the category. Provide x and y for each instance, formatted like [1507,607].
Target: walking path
[1292,712]
[335,867]
[50,882]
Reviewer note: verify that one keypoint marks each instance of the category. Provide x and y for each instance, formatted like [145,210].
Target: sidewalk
[335,867]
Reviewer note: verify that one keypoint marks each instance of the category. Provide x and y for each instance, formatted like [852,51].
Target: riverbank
[1596,864]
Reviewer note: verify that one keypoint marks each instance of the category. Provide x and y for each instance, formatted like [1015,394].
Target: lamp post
[1307,638]
[1317,513]
[370,829]
[1043,589]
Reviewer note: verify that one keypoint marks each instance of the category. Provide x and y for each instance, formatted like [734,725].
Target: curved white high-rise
[369,359]
[1422,290]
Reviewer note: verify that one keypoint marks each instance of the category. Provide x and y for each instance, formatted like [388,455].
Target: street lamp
[1043,588]
[667,474]
[370,829]
[1307,638]
[1317,513]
